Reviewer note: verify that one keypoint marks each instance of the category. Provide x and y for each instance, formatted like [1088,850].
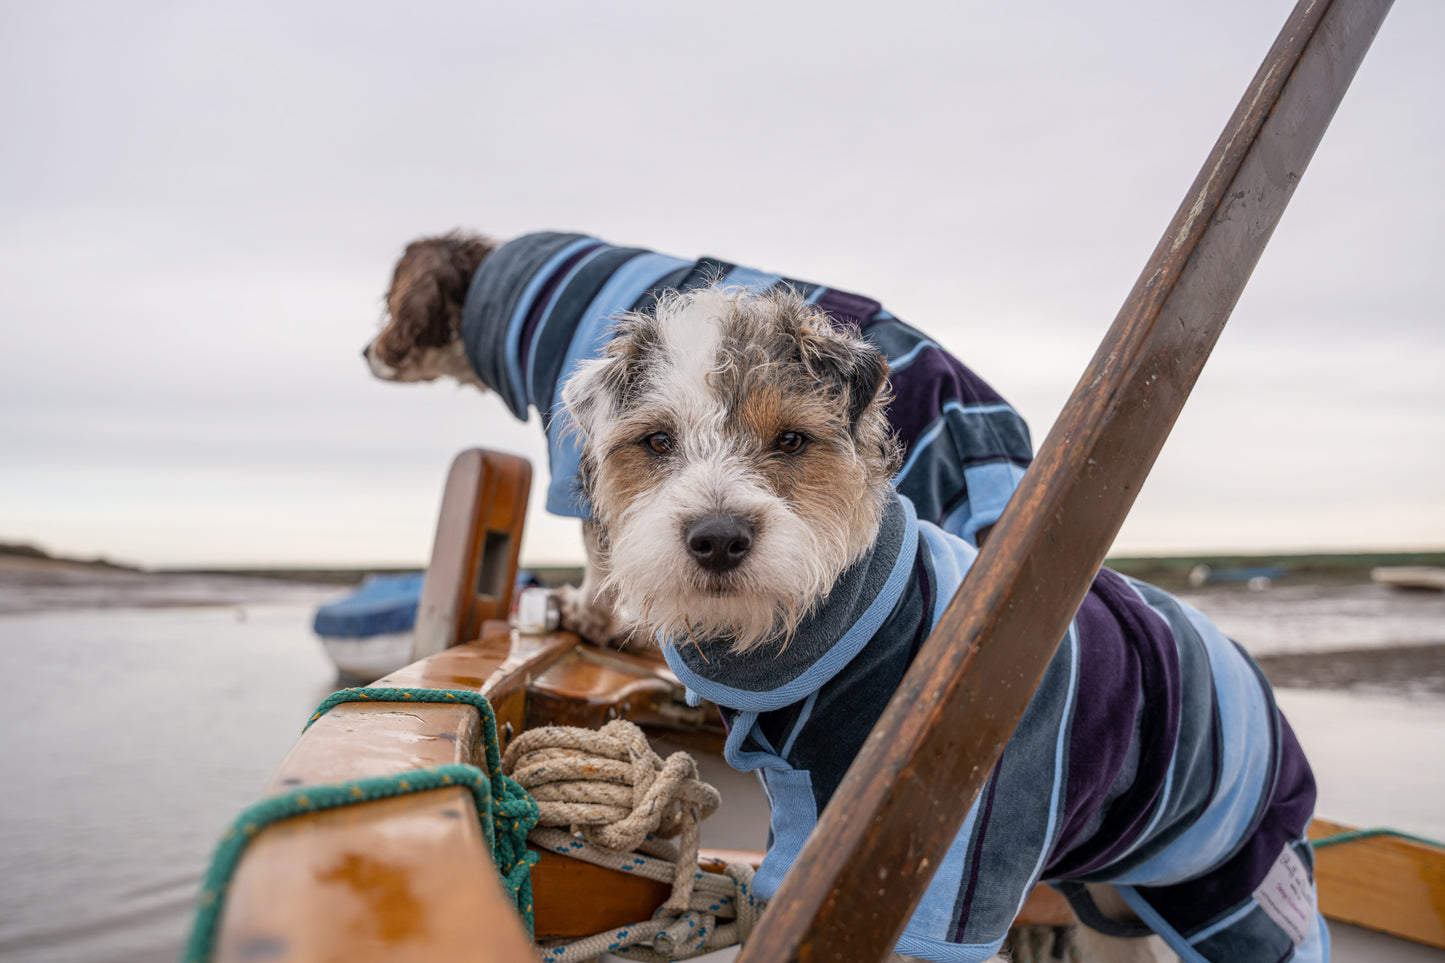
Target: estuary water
[132,736]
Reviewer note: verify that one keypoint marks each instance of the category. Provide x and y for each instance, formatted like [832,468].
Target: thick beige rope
[626,802]
[611,786]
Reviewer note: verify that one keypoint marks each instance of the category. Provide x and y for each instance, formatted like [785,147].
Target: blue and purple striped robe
[541,304]
[1151,756]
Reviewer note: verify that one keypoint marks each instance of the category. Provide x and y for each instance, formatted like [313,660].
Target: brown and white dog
[739,456]
[511,318]
[739,463]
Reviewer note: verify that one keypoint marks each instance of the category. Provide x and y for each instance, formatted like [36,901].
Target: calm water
[131,739]
[133,736]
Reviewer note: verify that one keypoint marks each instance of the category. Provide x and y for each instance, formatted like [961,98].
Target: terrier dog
[520,318]
[738,460]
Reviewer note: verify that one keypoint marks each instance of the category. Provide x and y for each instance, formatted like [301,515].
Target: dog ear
[866,380]
[855,369]
[590,397]
[427,292]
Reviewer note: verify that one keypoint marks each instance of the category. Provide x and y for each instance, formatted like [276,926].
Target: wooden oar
[887,828]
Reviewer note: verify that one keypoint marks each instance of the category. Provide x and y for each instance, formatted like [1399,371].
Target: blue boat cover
[383,604]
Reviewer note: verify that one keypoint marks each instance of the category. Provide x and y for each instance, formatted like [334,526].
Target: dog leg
[1095,946]
[587,609]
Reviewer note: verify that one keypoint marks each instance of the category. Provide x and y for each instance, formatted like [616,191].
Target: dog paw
[597,624]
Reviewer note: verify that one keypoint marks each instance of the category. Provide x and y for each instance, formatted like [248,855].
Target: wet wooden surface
[1392,885]
[956,707]
[401,879]
[589,687]
[404,879]
[499,664]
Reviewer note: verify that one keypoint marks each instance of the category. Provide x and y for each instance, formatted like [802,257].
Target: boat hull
[367,658]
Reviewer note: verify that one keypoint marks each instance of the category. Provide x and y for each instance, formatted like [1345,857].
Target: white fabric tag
[1287,895]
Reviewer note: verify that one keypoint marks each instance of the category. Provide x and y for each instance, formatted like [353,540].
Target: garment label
[1287,895]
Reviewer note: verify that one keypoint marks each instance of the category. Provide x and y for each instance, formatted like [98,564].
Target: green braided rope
[1354,834]
[514,812]
[504,809]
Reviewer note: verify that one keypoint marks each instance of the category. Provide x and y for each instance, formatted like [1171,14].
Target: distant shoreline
[1165,570]
[27,550]
[1326,567]
[31,583]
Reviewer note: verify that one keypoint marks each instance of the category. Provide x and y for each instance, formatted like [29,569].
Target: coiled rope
[620,803]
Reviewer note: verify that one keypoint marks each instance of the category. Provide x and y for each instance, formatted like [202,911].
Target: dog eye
[660,442]
[790,442]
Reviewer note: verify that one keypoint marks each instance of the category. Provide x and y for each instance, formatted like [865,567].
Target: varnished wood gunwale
[589,687]
[403,879]
[407,878]
[1383,883]
[907,793]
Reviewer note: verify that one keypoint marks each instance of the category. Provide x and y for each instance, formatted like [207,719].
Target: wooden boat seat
[590,687]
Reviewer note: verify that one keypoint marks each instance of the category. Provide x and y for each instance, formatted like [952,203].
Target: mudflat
[30,584]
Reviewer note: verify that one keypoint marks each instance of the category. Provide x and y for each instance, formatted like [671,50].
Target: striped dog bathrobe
[540,305]
[1151,756]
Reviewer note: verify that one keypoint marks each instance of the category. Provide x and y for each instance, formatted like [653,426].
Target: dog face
[737,458]
[421,340]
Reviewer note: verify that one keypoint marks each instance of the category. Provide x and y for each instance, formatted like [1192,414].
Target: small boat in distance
[1428,578]
[369,632]
[1256,578]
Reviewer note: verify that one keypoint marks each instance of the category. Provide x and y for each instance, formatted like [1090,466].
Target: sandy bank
[42,584]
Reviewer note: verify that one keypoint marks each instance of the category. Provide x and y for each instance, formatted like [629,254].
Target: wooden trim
[576,899]
[1382,883]
[473,565]
[500,665]
[400,879]
[589,687]
[309,890]
[905,796]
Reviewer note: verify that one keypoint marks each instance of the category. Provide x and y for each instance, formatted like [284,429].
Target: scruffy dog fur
[422,337]
[735,452]
[422,341]
[737,458]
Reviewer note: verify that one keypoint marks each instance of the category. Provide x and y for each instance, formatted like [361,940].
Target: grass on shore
[1317,567]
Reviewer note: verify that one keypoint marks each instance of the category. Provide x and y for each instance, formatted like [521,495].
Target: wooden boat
[406,878]
[400,880]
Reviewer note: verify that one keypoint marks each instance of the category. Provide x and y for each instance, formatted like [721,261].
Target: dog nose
[719,542]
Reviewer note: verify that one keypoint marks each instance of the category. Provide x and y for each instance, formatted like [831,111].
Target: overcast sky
[200,205]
